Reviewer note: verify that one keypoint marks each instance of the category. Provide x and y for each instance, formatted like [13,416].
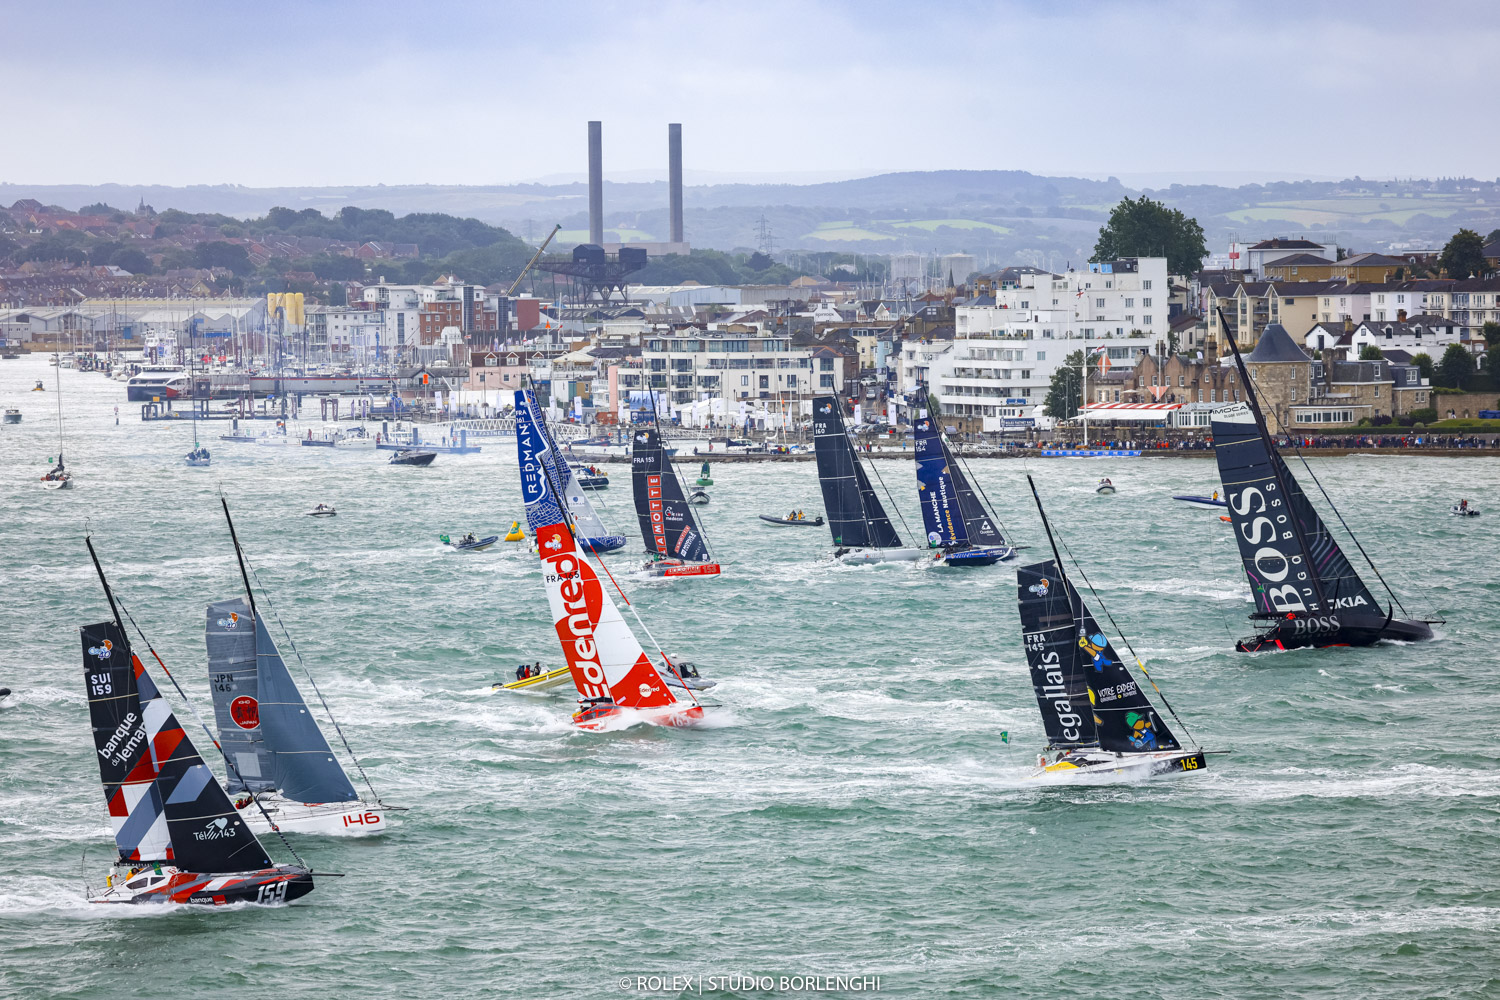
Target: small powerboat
[531,677]
[1464,509]
[412,456]
[793,522]
[698,498]
[12,416]
[1105,488]
[1212,501]
[469,543]
[322,510]
[39,387]
[198,457]
[590,478]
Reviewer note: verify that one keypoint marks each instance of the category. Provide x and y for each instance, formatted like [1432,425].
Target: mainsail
[1049,629]
[1288,574]
[236,690]
[666,519]
[536,444]
[977,520]
[603,655]
[937,492]
[855,515]
[164,803]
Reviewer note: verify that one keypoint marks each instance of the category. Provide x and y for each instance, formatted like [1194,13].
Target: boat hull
[986,555]
[860,556]
[1320,632]
[1203,501]
[325,819]
[784,523]
[58,484]
[1105,491]
[150,393]
[602,543]
[475,546]
[607,717]
[674,567]
[273,886]
[1093,764]
[541,682]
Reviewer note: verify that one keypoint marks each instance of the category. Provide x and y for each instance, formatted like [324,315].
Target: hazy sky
[280,93]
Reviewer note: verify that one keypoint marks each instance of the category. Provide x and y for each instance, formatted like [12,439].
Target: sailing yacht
[282,761]
[1306,592]
[676,544]
[57,477]
[960,530]
[533,439]
[1097,719]
[861,530]
[179,837]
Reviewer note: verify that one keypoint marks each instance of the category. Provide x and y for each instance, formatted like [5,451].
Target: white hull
[326,819]
[882,555]
[57,484]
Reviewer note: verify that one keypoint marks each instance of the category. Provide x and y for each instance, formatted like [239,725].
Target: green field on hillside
[933,225]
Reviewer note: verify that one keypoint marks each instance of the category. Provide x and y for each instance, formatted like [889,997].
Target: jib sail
[236,690]
[666,519]
[303,765]
[1049,629]
[977,520]
[937,493]
[855,515]
[164,802]
[1285,577]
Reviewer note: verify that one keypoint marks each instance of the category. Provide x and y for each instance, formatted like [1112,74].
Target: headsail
[936,490]
[1049,629]
[666,519]
[303,765]
[236,690]
[977,520]
[603,655]
[1284,577]
[164,802]
[855,515]
[538,466]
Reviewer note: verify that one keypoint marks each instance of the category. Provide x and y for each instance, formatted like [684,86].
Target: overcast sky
[308,93]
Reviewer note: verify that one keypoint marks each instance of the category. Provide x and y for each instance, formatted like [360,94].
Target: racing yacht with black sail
[960,531]
[1097,718]
[1306,592]
[179,837]
[861,530]
[282,760]
[674,540]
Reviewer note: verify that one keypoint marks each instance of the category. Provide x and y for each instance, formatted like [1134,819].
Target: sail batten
[855,515]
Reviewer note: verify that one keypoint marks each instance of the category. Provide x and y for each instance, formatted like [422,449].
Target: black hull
[1320,633]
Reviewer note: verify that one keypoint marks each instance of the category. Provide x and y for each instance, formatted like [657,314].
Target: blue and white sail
[936,490]
[549,474]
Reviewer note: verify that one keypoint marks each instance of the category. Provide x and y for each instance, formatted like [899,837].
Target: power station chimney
[674,180]
[596,183]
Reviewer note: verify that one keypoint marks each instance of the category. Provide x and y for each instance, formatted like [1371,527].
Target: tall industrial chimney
[596,183]
[674,179]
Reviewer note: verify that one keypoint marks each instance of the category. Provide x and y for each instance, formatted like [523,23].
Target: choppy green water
[859,814]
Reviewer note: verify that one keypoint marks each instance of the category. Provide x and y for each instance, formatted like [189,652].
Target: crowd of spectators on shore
[1422,442]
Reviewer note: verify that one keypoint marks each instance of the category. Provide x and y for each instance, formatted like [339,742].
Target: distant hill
[1002,216]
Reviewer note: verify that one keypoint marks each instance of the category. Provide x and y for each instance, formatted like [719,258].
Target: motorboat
[412,456]
[1105,488]
[322,510]
[199,457]
[698,498]
[470,543]
[39,387]
[155,382]
[1212,501]
[1464,509]
[589,478]
[793,522]
[12,415]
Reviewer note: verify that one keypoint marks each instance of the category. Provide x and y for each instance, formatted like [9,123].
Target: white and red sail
[603,654]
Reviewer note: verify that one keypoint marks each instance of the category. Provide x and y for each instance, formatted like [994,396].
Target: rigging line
[1338,514]
[637,616]
[228,763]
[316,690]
[1118,631]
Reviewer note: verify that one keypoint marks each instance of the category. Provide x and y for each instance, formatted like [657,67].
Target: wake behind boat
[1306,592]
[862,533]
[1099,723]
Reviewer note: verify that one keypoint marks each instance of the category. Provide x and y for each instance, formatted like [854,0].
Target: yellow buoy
[516,534]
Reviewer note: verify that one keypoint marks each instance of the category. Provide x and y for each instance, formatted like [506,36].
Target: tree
[1062,394]
[1463,257]
[220,254]
[1371,353]
[1456,368]
[1141,227]
[333,268]
[133,260]
[1493,237]
[1423,362]
[759,261]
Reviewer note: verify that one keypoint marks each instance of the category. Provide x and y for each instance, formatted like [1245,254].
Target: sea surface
[858,812]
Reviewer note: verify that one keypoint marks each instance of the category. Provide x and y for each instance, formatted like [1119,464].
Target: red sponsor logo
[245,711]
[362,819]
[653,504]
[583,602]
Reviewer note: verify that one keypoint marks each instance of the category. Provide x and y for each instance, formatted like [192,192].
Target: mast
[1265,434]
[110,594]
[240,556]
